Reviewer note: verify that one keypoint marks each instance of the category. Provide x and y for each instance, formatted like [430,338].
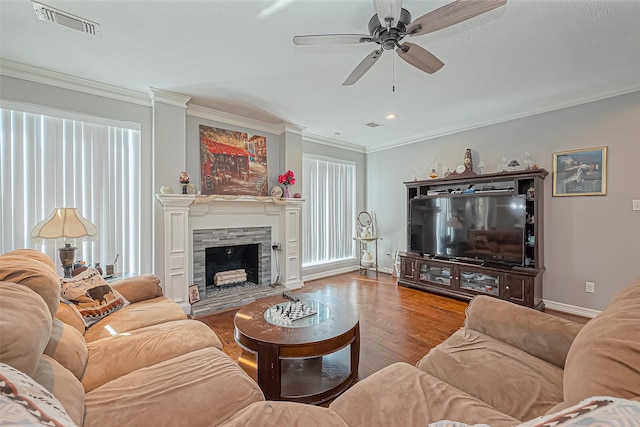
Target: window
[328,217]
[48,162]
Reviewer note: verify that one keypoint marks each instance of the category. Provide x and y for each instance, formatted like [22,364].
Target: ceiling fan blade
[419,57]
[388,9]
[363,67]
[451,14]
[331,39]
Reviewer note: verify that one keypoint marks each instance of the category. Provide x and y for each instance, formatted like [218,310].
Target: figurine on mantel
[186,187]
[468,160]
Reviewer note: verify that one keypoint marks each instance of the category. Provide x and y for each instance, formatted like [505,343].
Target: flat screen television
[487,228]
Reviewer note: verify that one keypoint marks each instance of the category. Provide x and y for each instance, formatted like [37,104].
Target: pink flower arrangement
[287,178]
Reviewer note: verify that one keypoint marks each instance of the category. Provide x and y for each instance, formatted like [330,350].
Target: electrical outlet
[636,205]
[590,287]
[388,254]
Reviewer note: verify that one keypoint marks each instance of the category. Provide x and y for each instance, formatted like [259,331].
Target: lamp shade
[64,223]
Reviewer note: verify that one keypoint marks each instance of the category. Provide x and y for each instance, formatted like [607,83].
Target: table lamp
[65,223]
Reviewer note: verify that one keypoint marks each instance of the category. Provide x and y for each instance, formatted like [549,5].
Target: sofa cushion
[16,267]
[604,359]
[507,378]
[69,315]
[403,395]
[521,326]
[204,387]
[24,402]
[92,296]
[136,316]
[63,385]
[139,288]
[126,352]
[67,346]
[25,327]
[269,414]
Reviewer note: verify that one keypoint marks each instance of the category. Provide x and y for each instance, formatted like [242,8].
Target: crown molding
[167,97]
[233,119]
[291,128]
[558,105]
[317,139]
[66,81]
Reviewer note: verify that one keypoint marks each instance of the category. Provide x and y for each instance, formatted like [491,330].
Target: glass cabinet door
[435,273]
[480,282]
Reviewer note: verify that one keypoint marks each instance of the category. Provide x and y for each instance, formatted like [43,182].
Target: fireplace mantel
[185,212]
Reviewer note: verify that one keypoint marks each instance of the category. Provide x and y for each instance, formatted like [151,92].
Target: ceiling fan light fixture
[388,12]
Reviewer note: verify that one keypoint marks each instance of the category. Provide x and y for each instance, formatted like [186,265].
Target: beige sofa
[146,364]
[507,365]
[143,365]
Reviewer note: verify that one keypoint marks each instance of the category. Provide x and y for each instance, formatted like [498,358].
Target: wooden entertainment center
[466,277]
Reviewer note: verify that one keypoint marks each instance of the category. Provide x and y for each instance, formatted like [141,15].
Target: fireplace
[193,223]
[219,250]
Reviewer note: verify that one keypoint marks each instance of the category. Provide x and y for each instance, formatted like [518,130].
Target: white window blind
[49,162]
[328,217]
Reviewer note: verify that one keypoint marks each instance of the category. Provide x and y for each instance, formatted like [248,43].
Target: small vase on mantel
[286,192]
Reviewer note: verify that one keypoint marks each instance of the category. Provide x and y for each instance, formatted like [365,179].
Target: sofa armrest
[540,334]
[138,288]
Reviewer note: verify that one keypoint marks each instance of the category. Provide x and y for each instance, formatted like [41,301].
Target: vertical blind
[49,162]
[328,217]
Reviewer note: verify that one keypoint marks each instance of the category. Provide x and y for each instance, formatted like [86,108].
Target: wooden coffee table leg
[355,352]
[269,371]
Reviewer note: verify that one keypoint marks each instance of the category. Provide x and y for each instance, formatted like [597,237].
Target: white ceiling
[238,57]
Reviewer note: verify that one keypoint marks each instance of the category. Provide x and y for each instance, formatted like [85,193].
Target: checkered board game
[288,312]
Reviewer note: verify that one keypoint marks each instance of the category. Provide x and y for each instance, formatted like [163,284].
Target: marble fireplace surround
[184,213]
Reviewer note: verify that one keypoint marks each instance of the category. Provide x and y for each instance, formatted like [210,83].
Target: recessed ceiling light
[391,116]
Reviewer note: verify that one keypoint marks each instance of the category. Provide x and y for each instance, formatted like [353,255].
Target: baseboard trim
[329,273]
[571,309]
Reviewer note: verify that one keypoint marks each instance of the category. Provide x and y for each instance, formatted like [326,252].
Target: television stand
[469,275]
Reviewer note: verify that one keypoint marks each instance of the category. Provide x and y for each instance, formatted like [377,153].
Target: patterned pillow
[24,402]
[91,295]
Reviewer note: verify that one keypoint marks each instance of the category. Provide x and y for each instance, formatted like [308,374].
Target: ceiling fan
[392,23]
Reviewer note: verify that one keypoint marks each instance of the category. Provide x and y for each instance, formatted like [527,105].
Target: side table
[363,245]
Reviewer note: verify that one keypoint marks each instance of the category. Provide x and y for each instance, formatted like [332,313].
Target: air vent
[373,124]
[50,14]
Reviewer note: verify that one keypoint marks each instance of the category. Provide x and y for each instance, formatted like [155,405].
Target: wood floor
[396,324]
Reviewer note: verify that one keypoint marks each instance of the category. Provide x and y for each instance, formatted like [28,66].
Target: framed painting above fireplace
[232,162]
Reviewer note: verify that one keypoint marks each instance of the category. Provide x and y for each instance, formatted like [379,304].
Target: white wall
[587,238]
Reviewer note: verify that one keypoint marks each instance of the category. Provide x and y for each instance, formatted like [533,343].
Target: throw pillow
[91,295]
[25,402]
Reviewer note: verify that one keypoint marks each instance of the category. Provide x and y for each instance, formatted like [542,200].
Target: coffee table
[311,361]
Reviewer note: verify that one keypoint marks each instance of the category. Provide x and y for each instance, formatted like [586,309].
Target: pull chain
[393,73]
